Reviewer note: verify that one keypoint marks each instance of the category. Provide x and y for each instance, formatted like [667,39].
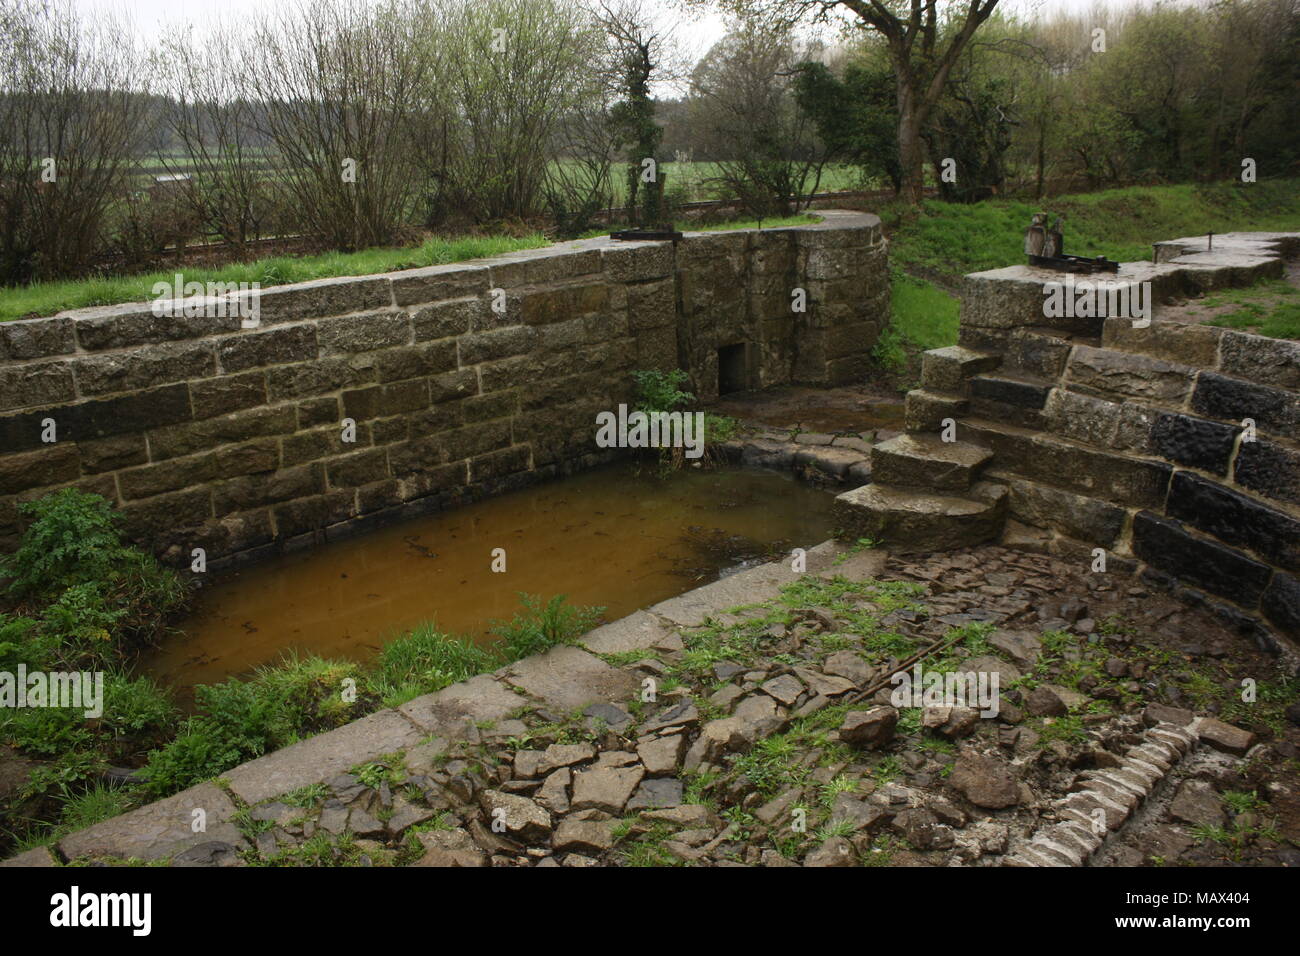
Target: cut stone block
[160,829]
[925,409]
[567,678]
[908,521]
[926,461]
[947,369]
[318,758]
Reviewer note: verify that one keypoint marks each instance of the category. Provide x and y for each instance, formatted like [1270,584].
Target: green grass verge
[1269,308]
[952,239]
[47,298]
[923,316]
[936,245]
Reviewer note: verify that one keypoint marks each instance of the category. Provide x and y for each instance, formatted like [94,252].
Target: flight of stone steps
[1078,420]
[926,493]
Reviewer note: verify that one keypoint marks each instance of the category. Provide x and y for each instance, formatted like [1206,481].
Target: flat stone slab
[318,758]
[40,856]
[450,711]
[926,461]
[568,677]
[636,632]
[160,829]
[748,587]
[832,559]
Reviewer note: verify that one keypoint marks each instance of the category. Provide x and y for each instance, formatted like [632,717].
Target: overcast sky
[156,19]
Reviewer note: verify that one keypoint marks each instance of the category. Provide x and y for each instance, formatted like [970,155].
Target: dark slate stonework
[1235,518]
[1268,468]
[1194,442]
[1010,391]
[1281,603]
[1273,409]
[1219,569]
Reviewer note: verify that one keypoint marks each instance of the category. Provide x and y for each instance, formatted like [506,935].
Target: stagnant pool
[621,536]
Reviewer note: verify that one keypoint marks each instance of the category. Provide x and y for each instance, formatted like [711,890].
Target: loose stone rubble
[750,722]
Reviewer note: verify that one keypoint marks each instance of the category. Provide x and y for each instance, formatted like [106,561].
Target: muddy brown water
[621,537]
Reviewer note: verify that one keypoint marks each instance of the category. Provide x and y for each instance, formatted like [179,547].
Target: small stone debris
[758,762]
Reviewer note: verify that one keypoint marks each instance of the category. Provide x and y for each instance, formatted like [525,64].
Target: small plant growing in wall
[659,391]
[662,391]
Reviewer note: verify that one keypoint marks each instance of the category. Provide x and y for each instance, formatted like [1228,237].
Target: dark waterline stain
[620,537]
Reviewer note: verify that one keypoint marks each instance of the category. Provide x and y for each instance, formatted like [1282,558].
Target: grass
[949,240]
[47,298]
[933,247]
[1270,308]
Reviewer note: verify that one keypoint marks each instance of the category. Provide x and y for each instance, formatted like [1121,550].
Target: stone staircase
[1084,432]
[927,493]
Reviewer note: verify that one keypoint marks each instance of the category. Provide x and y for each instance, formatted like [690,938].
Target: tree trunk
[1042,150]
[911,154]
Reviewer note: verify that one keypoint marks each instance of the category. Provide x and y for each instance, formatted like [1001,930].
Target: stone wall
[206,434]
[1088,432]
[1135,442]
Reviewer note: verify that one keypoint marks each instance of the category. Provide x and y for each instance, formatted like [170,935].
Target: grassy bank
[79,600]
[47,298]
[932,247]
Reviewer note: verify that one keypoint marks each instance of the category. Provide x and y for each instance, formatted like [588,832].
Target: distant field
[699,182]
[689,182]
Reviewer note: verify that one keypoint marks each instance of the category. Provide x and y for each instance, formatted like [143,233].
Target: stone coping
[384,290]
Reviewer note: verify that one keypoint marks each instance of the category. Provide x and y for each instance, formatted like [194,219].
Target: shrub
[308,695]
[102,598]
[199,753]
[23,642]
[72,540]
[135,707]
[658,391]
[47,731]
[236,723]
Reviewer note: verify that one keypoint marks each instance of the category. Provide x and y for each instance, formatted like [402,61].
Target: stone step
[926,409]
[925,461]
[906,520]
[1178,342]
[946,369]
[1104,371]
[1031,350]
[1014,397]
[1076,466]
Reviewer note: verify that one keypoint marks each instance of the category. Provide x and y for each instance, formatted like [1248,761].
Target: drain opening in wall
[733,369]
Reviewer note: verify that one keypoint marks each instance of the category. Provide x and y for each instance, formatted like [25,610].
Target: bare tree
[215,121]
[338,83]
[636,53]
[72,111]
[765,146]
[514,70]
